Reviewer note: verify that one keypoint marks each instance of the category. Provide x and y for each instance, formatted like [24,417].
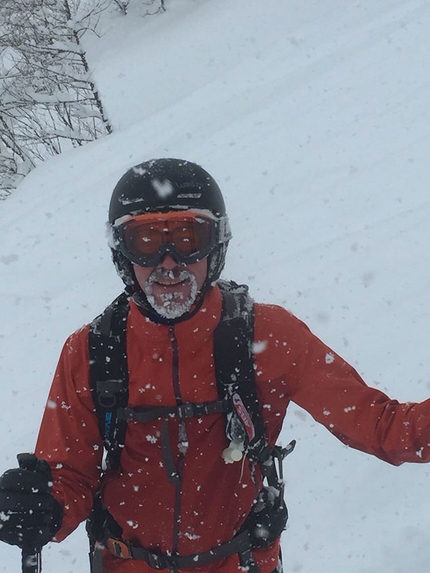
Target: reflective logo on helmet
[189,195]
[188,185]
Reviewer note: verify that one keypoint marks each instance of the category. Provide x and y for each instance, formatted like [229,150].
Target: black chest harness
[244,428]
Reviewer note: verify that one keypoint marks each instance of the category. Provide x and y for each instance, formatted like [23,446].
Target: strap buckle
[107,391]
[157,561]
[119,548]
[186,410]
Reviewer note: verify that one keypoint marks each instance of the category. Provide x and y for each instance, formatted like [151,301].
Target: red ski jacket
[214,499]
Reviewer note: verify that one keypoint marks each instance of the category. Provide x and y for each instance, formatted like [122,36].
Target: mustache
[177,273]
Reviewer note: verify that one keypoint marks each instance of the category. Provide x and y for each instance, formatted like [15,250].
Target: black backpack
[237,399]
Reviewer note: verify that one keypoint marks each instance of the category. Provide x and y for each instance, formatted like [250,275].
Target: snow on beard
[173,305]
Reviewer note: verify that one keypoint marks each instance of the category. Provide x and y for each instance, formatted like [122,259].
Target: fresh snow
[314,117]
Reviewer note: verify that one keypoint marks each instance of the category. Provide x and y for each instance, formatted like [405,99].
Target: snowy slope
[315,119]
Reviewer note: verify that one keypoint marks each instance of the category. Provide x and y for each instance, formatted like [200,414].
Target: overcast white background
[315,119]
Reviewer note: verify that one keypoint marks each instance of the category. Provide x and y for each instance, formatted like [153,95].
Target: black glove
[29,515]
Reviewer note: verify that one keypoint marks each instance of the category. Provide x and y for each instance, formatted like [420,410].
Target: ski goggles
[145,239]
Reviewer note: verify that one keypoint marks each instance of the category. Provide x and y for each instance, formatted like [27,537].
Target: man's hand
[29,515]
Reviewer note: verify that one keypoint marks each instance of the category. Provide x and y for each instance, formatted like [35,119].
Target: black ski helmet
[168,184]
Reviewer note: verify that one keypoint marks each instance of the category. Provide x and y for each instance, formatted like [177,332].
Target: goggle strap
[224,229]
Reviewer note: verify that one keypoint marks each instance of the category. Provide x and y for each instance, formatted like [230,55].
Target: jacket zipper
[182,443]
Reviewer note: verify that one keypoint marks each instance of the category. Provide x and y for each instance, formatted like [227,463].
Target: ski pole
[31,557]
[31,560]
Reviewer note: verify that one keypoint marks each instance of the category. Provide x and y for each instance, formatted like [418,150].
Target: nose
[168,262]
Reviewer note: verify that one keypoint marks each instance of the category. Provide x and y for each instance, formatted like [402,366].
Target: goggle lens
[145,240]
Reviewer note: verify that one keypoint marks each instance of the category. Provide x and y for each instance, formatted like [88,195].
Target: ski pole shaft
[31,559]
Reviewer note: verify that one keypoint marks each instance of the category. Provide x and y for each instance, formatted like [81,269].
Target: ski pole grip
[27,462]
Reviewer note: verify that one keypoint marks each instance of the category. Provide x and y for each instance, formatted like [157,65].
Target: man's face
[172,288]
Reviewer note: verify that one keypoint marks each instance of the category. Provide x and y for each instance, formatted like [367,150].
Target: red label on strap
[244,416]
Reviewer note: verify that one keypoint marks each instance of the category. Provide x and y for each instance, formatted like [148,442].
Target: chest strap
[183,411]
[165,413]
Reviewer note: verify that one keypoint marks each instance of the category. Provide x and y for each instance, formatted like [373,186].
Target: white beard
[172,304]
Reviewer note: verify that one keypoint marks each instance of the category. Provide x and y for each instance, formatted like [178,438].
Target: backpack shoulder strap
[235,375]
[109,373]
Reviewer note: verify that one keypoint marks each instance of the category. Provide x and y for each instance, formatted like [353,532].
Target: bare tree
[122,5]
[48,101]
[158,4]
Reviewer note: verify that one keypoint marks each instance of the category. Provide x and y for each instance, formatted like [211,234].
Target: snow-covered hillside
[315,119]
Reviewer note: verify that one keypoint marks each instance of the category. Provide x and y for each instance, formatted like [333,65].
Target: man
[180,490]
